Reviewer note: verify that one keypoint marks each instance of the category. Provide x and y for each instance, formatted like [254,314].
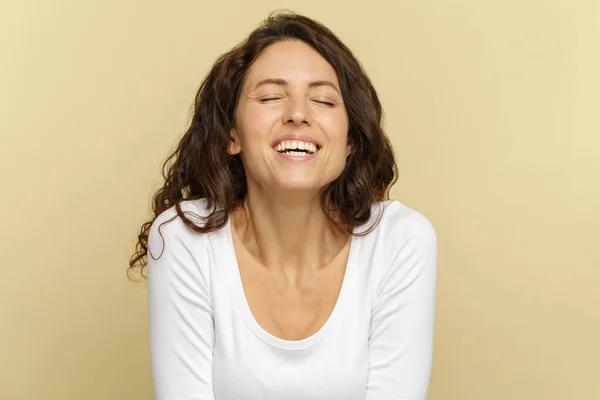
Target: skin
[291,259]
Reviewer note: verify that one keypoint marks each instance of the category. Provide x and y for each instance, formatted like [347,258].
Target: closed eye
[327,103]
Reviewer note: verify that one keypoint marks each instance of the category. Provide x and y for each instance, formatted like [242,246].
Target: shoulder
[168,227]
[398,222]
[402,243]
[177,256]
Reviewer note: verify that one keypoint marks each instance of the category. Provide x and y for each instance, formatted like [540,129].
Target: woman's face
[291,125]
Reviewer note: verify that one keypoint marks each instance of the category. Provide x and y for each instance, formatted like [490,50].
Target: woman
[278,269]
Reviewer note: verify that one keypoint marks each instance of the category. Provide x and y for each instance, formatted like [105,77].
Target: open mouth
[296,148]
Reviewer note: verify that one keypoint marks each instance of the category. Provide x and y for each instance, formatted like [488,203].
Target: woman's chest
[287,311]
[333,369]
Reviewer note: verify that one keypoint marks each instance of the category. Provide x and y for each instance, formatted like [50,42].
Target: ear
[348,150]
[234,143]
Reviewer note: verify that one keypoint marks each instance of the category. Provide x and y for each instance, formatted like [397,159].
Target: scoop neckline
[257,329]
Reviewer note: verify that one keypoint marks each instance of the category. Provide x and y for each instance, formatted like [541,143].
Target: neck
[288,231]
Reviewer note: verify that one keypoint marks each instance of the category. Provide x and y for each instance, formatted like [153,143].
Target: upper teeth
[296,145]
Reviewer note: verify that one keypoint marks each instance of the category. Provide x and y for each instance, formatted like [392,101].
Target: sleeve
[181,327]
[402,319]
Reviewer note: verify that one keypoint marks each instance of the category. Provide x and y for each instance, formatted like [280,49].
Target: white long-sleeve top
[376,345]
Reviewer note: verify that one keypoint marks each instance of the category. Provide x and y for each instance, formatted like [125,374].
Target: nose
[297,112]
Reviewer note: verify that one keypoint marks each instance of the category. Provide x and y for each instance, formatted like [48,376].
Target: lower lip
[289,157]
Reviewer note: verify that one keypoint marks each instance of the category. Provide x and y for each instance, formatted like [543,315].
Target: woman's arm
[402,320]
[180,315]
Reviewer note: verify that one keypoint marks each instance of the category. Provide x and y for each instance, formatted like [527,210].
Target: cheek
[336,125]
[255,127]
[257,121]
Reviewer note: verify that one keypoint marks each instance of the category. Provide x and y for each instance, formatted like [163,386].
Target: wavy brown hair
[201,166]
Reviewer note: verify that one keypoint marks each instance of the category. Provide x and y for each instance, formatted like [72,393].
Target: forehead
[294,61]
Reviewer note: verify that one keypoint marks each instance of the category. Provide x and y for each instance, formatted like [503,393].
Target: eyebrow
[283,82]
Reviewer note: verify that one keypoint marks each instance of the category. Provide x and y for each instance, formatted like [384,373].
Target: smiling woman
[291,93]
[279,268]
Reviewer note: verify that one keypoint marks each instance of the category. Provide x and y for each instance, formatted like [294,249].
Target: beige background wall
[494,110]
